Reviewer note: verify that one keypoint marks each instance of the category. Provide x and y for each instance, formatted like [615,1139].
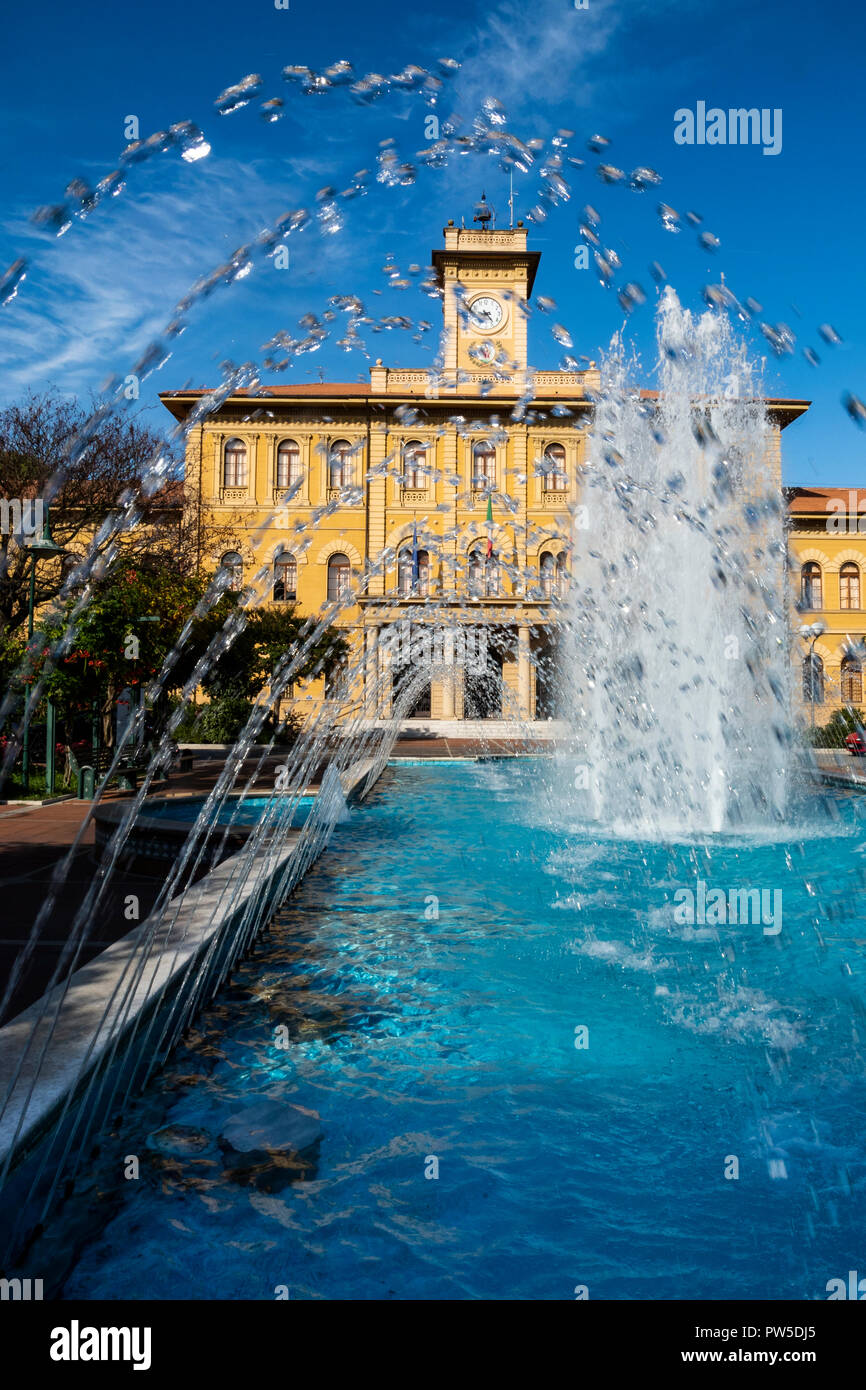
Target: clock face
[482,352]
[485,313]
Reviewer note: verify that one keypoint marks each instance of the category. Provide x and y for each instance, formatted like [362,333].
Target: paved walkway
[34,839]
[839,768]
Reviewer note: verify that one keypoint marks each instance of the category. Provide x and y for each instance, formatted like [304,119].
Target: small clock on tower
[485,313]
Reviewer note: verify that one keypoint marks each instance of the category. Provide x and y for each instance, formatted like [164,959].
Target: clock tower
[486,276]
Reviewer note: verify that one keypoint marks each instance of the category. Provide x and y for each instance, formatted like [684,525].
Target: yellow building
[443,498]
[827,548]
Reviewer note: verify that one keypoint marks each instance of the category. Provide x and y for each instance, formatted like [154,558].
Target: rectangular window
[288,465]
[849,589]
[285,580]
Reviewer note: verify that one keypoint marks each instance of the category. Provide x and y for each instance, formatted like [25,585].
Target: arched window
[813,680]
[232,563]
[337,682]
[340,464]
[849,586]
[483,574]
[555,478]
[288,463]
[235,463]
[285,578]
[811,588]
[483,465]
[414,465]
[413,573]
[852,681]
[552,574]
[339,577]
[547,574]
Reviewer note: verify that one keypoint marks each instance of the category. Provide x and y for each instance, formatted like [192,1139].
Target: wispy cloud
[532,58]
[97,296]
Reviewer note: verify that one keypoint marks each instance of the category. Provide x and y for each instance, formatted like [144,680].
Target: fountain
[678,659]
[488,976]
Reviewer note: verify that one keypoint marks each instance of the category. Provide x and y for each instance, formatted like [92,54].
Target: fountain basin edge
[83,1035]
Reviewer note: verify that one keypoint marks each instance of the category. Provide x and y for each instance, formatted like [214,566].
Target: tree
[248,665]
[40,441]
[131,623]
[134,621]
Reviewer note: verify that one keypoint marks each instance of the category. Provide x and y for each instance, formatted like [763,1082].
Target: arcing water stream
[674,685]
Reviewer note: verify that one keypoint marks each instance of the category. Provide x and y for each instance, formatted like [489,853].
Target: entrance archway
[482,688]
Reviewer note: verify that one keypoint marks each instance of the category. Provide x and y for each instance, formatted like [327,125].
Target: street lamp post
[810,632]
[41,548]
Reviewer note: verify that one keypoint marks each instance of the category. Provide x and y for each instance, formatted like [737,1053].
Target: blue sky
[789,225]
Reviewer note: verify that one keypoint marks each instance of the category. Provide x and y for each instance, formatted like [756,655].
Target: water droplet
[562,335]
[719,296]
[494,111]
[811,357]
[11,279]
[855,408]
[604,268]
[608,173]
[340,74]
[708,242]
[643,178]
[670,217]
[597,144]
[829,334]
[56,218]
[657,273]
[780,338]
[368,89]
[233,98]
[545,304]
[630,296]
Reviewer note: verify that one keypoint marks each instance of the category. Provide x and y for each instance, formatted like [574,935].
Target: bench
[130,765]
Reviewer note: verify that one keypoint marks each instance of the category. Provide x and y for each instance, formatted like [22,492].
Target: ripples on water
[455,1037]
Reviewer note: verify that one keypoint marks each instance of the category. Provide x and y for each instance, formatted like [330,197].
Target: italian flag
[489,527]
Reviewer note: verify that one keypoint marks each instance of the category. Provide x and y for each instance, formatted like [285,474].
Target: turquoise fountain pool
[617,1102]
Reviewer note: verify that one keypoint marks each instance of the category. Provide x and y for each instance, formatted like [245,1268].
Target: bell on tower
[486,276]
[483,212]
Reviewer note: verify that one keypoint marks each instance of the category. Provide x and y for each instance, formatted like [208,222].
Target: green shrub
[186,729]
[222,720]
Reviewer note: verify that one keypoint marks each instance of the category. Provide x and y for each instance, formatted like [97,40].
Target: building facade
[433,510]
[827,550]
